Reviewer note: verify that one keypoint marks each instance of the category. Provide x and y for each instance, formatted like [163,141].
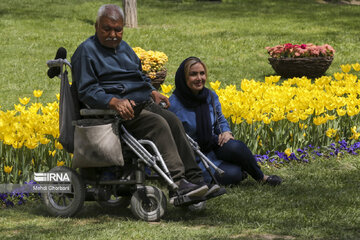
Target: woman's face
[197,78]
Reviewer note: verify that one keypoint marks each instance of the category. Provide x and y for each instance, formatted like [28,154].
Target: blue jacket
[101,73]
[188,118]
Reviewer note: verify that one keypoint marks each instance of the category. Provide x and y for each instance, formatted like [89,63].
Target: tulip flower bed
[296,113]
[295,120]
[28,136]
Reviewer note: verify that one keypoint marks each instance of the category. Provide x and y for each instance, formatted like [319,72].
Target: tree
[130,13]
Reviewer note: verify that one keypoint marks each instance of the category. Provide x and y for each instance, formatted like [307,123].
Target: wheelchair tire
[116,202]
[150,209]
[65,204]
[197,207]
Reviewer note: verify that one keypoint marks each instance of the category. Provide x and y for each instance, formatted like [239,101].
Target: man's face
[109,32]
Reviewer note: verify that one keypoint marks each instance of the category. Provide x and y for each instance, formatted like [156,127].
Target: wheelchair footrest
[184,200]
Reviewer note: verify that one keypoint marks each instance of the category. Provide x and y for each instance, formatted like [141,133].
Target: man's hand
[224,138]
[158,97]
[123,107]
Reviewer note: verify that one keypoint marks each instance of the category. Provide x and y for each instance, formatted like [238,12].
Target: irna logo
[52,177]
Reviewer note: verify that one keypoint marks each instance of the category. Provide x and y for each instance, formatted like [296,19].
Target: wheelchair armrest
[97,112]
[58,63]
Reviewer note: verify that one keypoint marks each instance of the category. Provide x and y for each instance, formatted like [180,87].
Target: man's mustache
[111,39]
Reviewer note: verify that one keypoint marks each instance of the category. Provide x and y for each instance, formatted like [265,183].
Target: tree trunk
[130,13]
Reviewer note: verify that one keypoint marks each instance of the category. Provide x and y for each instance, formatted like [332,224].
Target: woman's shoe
[244,175]
[273,180]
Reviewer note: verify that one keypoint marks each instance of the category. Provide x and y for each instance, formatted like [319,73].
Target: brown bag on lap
[96,146]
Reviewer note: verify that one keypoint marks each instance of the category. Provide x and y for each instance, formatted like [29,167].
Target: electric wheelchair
[142,161]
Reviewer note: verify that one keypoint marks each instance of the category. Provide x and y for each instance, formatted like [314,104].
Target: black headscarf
[198,102]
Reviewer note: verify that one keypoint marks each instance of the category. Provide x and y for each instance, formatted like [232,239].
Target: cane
[206,161]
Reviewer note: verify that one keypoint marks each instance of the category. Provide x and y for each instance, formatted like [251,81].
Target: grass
[317,201]
[230,36]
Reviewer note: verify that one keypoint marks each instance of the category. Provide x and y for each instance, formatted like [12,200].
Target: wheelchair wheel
[116,202]
[197,207]
[65,204]
[148,203]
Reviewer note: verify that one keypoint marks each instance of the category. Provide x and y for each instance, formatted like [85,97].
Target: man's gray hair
[112,11]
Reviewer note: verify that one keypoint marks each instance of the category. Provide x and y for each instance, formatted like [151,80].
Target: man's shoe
[217,193]
[213,188]
[192,190]
[188,189]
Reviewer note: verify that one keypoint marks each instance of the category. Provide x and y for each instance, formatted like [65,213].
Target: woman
[199,110]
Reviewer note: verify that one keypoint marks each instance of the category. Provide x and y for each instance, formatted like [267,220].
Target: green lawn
[316,201]
[319,200]
[230,37]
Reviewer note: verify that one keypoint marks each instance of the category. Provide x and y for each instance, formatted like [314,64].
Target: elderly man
[108,74]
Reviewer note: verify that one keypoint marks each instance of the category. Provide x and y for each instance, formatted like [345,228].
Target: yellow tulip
[58,96]
[249,121]
[353,129]
[287,152]
[52,153]
[24,100]
[331,132]
[19,107]
[266,120]
[37,93]
[31,144]
[341,112]
[293,117]
[44,140]
[60,163]
[166,88]
[319,120]
[355,135]
[352,111]
[8,169]
[58,145]
[338,76]
[215,85]
[17,144]
[345,68]
[356,66]
[35,107]
[272,79]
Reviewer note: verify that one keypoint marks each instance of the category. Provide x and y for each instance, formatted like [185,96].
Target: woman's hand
[123,107]
[224,138]
[158,97]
